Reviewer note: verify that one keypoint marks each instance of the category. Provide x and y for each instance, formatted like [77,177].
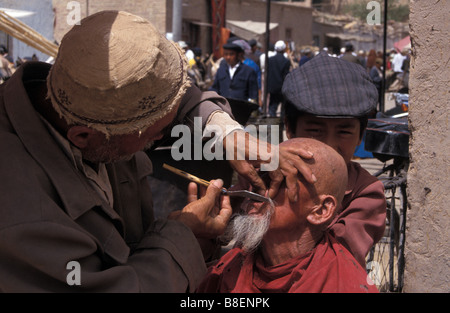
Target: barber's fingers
[247,171]
[222,219]
[297,160]
[213,193]
[292,162]
[276,178]
[255,180]
[192,192]
[218,220]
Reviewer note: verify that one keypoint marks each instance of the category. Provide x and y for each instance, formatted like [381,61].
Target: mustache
[248,230]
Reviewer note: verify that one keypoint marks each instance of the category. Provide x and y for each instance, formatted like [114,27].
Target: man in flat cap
[76,209]
[234,79]
[330,100]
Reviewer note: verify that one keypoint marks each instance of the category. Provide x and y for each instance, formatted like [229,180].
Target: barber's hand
[289,163]
[238,154]
[208,216]
[292,162]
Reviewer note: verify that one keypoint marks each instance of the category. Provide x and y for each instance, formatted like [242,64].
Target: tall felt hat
[331,87]
[117,74]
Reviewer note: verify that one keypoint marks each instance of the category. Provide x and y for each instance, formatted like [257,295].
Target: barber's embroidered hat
[330,87]
[117,74]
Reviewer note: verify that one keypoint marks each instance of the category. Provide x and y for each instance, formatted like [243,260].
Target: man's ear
[323,213]
[80,136]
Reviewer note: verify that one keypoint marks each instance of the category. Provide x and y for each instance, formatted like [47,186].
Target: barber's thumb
[215,187]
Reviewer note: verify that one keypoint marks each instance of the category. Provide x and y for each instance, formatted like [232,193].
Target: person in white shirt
[397,62]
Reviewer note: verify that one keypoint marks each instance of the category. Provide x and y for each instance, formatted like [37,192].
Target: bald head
[304,220]
[327,165]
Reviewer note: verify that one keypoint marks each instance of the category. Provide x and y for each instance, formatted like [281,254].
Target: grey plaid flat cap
[330,87]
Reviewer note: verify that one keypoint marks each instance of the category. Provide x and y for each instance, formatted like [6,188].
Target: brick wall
[153,10]
[294,19]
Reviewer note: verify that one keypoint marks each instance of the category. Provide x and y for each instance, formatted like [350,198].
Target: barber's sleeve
[57,258]
[197,103]
[169,258]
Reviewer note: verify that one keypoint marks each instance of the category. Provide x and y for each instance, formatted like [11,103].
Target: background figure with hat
[234,79]
[306,56]
[350,54]
[197,69]
[6,65]
[376,75]
[255,52]
[279,67]
[397,83]
[330,100]
[371,58]
[187,51]
[249,59]
[77,212]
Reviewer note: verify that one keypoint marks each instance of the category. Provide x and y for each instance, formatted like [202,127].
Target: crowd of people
[76,142]
[219,75]
[7,64]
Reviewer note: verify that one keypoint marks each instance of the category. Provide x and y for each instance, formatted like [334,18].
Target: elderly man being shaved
[287,247]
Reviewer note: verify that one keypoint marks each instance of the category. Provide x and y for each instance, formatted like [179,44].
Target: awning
[404,43]
[349,37]
[17,13]
[249,29]
[13,27]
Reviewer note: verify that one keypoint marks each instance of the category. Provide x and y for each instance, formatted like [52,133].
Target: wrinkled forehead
[302,183]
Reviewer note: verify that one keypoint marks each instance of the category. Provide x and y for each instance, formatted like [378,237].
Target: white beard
[248,230]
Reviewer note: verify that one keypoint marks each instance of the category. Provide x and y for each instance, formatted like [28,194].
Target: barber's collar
[40,144]
[98,177]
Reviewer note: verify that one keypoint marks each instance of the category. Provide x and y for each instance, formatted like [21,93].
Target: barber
[76,211]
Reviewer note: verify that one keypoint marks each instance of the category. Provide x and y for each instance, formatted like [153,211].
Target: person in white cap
[76,212]
[187,50]
[279,67]
[280,46]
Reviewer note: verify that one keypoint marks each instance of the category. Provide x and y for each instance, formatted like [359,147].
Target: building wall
[427,234]
[289,16]
[337,6]
[294,18]
[153,10]
[196,23]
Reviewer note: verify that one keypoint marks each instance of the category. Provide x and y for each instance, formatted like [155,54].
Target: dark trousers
[275,99]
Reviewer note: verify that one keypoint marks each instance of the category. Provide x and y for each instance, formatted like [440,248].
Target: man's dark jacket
[278,69]
[55,228]
[243,86]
